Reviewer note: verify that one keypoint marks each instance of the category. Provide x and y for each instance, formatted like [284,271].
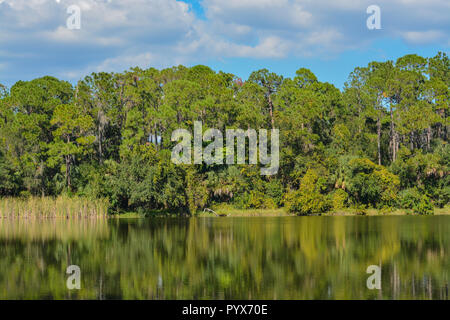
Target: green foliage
[109,136]
[425,206]
[339,199]
[372,184]
[441,194]
[9,180]
[416,200]
[196,191]
[309,198]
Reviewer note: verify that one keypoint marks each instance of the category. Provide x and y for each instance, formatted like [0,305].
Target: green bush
[441,194]
[256,200]
[308,199]
[372,184]
[415,200]
[425,206]
[274,192]
[339,199]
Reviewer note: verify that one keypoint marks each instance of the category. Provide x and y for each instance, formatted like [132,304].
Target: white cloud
[124,62]
[423,37]
[117,35]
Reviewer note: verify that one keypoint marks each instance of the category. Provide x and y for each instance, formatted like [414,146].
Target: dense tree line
[381,142]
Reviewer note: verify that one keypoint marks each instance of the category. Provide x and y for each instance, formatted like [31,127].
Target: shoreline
[258,213]
[79,208]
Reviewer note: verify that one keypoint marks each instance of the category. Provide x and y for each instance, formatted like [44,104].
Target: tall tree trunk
[68,171]
[393,136]
[271,111]
[100,149]
[68,168]
[440,130]
[379,139]
[429,138]
[359,115]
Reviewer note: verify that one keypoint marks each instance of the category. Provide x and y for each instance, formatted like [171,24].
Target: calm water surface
[226,258]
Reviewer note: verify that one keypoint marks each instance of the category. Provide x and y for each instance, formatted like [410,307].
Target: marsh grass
[48,207]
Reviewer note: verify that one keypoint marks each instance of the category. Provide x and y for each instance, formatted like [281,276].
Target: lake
[226,258]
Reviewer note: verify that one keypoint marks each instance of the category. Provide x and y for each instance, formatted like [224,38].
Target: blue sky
[330,37]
